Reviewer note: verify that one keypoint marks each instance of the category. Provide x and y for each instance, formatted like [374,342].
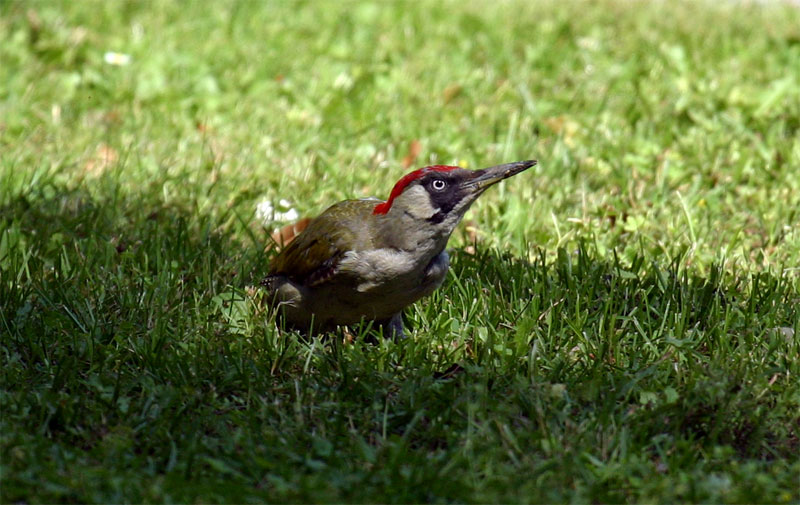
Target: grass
[625,329]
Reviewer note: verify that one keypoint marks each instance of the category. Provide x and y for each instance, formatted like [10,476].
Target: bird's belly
[374,291]
[388,296]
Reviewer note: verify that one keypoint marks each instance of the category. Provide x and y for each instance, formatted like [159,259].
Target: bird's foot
[393,327]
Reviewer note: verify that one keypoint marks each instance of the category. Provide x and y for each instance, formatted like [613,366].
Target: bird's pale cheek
[416,203]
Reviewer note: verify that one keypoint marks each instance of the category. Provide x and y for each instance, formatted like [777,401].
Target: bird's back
[341,228]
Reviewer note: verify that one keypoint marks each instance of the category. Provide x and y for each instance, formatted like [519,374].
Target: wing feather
[313,256]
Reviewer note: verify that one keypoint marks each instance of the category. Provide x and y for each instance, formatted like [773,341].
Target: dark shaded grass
[137,368]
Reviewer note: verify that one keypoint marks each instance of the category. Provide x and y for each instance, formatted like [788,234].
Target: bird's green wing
[313,256]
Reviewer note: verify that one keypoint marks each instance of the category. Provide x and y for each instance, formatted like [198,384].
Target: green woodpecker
[364,260]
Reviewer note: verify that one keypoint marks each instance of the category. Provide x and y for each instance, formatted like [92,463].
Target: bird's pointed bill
[488,176]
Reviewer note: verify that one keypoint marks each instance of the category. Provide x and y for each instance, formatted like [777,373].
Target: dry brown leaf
[564,126]
[471,229]
[34,22]
[556,124]
[414,148]
[284,236]
[104,157]
[112,117]
[450,92]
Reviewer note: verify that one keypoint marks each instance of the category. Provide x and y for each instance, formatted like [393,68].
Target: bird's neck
[404,230]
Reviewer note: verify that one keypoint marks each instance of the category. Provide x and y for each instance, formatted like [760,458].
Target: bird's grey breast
[390,269]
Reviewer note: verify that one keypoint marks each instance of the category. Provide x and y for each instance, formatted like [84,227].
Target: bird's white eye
[438,184]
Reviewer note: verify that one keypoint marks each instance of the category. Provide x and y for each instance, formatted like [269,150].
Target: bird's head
[440,194]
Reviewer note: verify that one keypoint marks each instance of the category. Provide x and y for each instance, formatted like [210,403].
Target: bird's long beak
[488,176]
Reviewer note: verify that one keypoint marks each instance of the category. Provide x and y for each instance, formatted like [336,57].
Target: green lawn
[619,325]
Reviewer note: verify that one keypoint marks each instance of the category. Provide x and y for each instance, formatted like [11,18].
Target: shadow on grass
[123,362]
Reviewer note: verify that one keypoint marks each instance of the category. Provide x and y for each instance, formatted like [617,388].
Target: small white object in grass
[117,59]
[264,210]
[268,213]
[343,81]
[55,113]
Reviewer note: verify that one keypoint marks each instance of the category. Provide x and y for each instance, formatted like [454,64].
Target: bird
[367,260]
